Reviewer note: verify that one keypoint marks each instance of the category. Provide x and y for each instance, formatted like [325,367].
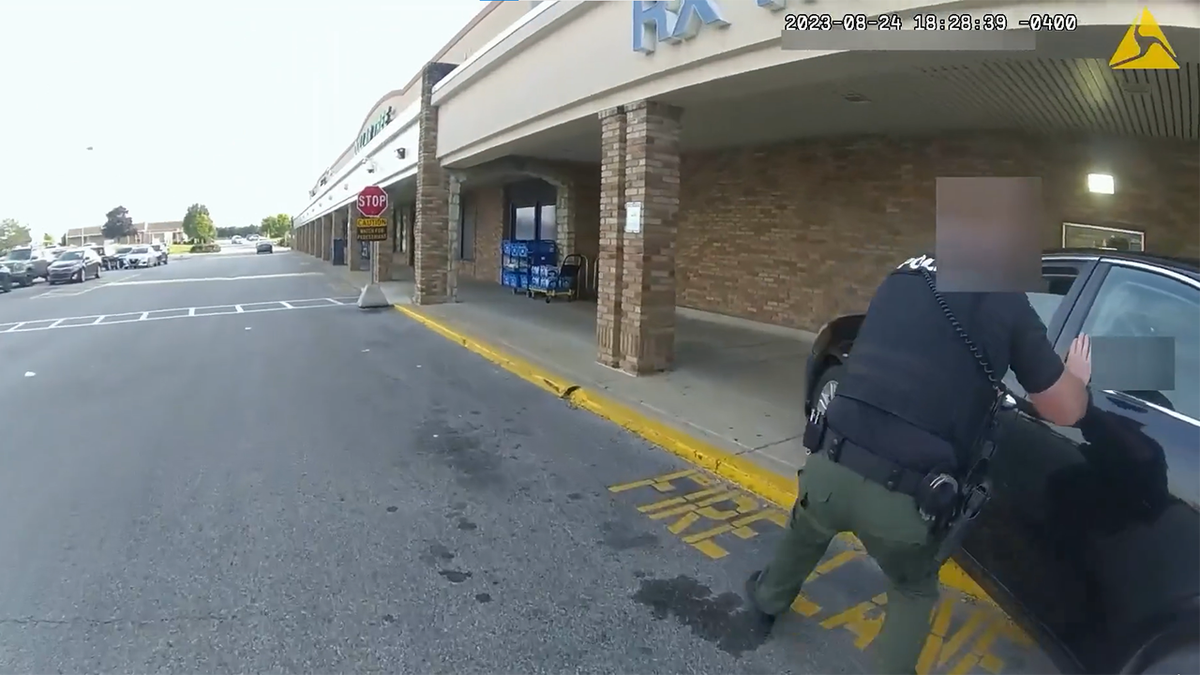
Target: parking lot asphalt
[222,465]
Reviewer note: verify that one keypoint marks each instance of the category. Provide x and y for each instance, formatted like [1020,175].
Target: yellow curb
[767,484]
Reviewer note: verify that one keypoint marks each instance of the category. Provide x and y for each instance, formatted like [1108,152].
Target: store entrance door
[531,210]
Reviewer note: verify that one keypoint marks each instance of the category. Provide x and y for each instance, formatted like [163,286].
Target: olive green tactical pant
[834,499]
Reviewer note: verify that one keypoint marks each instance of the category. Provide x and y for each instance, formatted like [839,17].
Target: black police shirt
[913,392]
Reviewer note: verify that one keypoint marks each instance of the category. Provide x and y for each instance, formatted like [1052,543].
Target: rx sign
[671,21]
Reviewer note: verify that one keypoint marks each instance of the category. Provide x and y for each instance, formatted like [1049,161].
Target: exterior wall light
[401,153]
[1100,183]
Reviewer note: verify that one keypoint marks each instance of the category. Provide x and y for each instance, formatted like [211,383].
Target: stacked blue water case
[518,258]
[544,278]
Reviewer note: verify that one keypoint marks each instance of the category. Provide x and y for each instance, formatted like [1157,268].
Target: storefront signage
[371,229]
[672,21]
[372,131]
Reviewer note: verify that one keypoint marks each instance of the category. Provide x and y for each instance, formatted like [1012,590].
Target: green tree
[13,233]
[118,224]
[198,224]
[276,226]
[48,239]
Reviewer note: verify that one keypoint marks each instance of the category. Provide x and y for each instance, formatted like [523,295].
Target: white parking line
[192,280]
[33,325]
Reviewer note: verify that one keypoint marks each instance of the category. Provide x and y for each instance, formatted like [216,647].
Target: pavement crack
[772,443]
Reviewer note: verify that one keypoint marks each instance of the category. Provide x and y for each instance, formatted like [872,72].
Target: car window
[1058,277]
[1139,303]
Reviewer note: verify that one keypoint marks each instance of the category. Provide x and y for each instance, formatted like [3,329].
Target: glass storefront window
[1076,235]
[548,227]
[525,222]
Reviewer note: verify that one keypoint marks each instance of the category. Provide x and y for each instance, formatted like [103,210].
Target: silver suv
[27,263]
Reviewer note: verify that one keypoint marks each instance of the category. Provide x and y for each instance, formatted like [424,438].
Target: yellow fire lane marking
[732,511]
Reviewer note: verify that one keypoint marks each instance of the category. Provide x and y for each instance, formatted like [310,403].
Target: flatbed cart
[563,282]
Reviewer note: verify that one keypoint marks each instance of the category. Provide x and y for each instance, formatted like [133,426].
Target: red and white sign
[372,201]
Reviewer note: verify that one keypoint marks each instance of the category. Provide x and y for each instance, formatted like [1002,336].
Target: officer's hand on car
[1079,358]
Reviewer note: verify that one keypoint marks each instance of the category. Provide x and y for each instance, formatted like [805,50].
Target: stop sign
[372,201]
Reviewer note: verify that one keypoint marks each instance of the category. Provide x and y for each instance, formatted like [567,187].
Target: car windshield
[141,249]
[20,254]
[156,247]
[71,255]
[125,249]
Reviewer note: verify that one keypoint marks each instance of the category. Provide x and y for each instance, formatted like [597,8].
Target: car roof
[1182,264]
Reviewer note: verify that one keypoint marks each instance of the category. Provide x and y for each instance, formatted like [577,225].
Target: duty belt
[838,449]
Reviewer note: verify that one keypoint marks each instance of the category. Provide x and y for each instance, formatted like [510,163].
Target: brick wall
[488,203]
[794,234]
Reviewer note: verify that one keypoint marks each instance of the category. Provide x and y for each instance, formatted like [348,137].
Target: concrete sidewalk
[738,385]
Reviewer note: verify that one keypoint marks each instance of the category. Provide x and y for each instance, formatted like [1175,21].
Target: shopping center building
[771,185]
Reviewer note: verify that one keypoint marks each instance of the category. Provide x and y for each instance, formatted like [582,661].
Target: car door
[1130,502]
[1010,545]
[1110,507]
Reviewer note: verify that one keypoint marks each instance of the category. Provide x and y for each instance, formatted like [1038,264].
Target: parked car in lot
[141,255]
[264,246]
[235,240]
[162,251]
[6,281]
[106,252]
[79,264]
[120,256]
[1092,538]
[27,263]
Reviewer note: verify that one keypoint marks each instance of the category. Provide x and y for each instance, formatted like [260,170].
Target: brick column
[612,216]
[353,259]
[310,237]
[432,259]
[651,178]
[453,218]
[327,237]
[381,251]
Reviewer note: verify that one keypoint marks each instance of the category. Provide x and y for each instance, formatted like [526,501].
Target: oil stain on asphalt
[720,619]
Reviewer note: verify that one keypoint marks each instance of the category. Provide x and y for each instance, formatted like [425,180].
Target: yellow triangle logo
[1144,47]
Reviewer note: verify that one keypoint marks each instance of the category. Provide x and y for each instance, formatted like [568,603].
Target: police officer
[909,406]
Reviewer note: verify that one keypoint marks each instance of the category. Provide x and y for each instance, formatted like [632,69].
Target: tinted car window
[1137,303]
[1058,277]
[1045,304]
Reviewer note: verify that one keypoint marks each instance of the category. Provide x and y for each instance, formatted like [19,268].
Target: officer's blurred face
[988,234]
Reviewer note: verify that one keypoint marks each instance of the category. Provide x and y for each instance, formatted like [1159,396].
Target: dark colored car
[1092,538]
[6,280]
[120,257]
[79,264]
[264,247]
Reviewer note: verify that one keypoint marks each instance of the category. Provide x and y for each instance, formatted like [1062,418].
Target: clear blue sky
[236,108]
